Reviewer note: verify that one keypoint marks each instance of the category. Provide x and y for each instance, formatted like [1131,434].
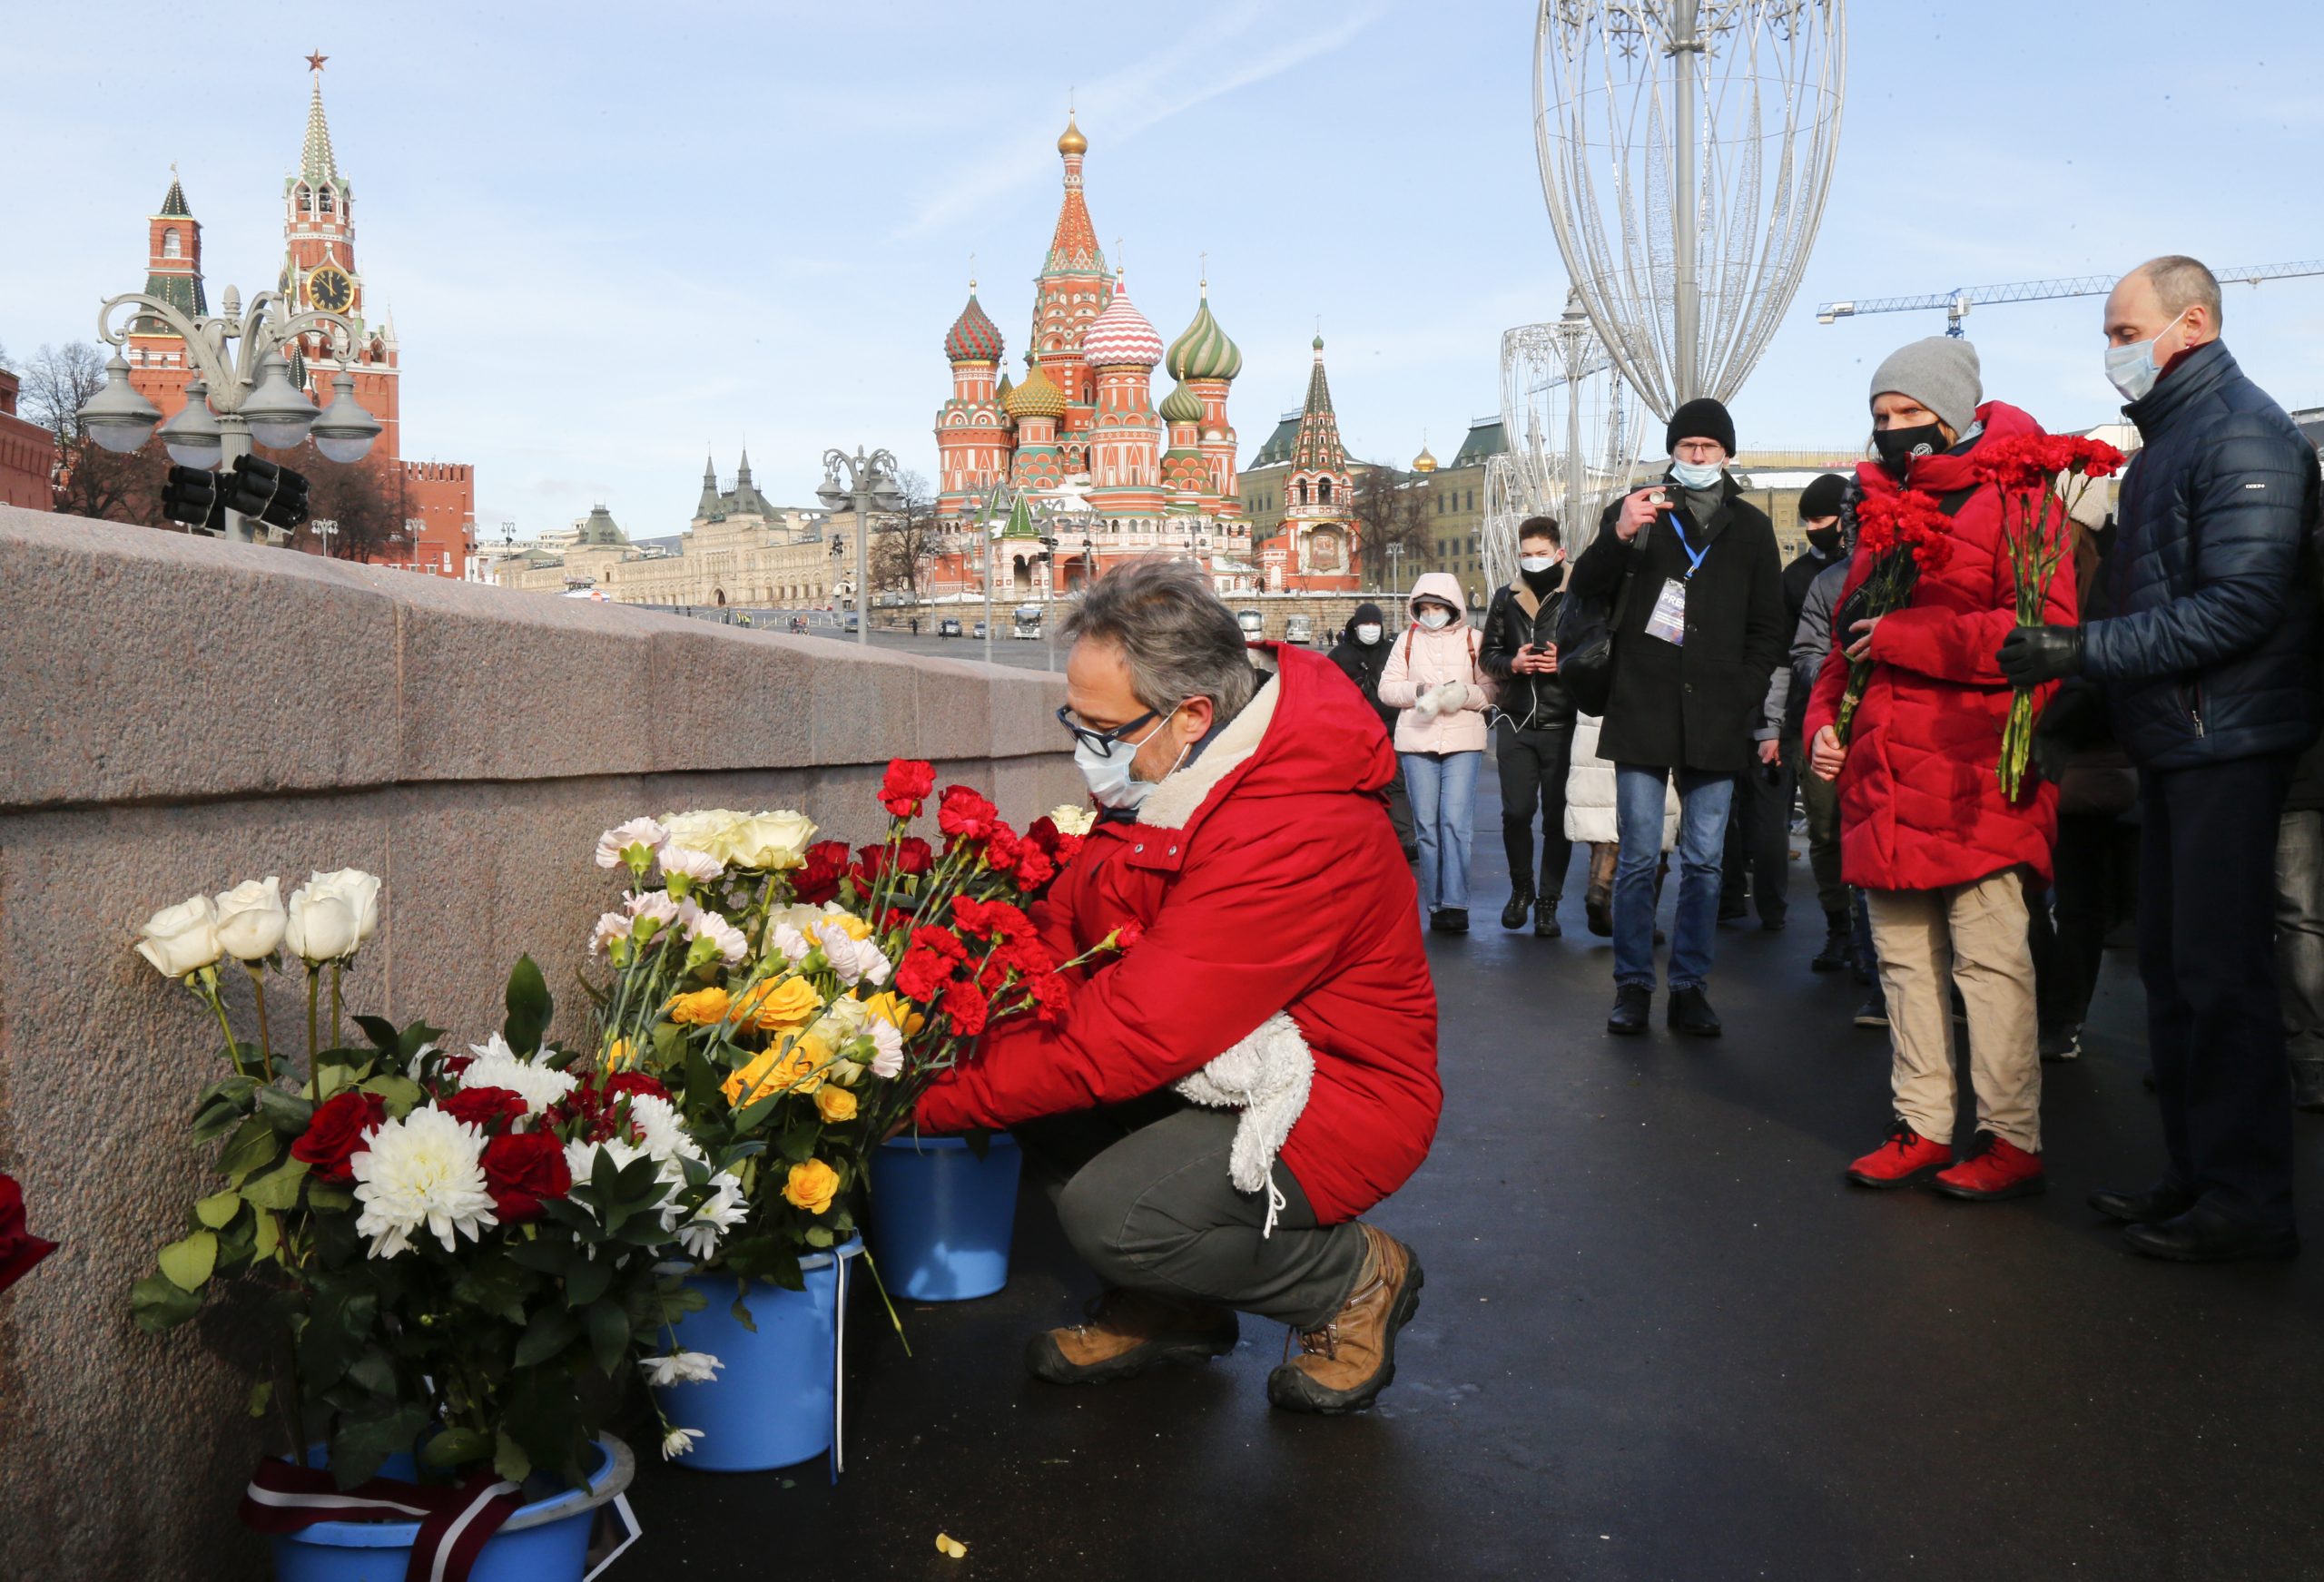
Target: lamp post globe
[193,438]
[279,416]
[344,431]
[117,417]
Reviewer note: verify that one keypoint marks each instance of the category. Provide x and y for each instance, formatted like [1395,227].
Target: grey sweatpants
[1144,1196]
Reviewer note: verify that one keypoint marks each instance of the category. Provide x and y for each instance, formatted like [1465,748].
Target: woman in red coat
[1259,1067]
[1924,826]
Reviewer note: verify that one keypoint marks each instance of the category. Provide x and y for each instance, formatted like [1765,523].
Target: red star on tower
[315,60]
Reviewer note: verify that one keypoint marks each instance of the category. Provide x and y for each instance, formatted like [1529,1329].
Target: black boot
[1690,1013]
[1545,920]
[1448,920]
[1521,901]
[1632,1001]
[1839,945]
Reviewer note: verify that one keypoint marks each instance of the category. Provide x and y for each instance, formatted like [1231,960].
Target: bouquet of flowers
[2043,478]
[453,1242]
[1906,534]
[797,996]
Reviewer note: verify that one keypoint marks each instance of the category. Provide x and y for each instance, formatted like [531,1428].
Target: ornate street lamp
[872,481]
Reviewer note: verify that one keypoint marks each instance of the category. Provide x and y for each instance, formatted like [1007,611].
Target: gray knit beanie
[1940,373]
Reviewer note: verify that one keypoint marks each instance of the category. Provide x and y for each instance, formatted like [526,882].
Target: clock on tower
[328,287]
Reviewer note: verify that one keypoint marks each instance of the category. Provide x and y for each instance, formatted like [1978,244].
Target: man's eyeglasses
[1102,742]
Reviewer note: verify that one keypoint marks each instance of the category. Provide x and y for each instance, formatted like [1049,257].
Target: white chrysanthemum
[678,1441]
[611,926]
[615,841]
[680,1368]
[699,866]
[1074,818]
[888,1041]
[426,1169]
[725,1208]
[661,1131]
[581,1158]
[498,1065]
[732,945]
[656,904]
[789,943]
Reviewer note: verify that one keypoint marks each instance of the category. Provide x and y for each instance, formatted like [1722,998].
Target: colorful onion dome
[1000,391]
[1120,337]
[1035,397]
[1181,405]
[1204,353]
[1071,141]
[973,337]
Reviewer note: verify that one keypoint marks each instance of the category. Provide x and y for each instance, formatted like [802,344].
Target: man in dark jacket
[2208,663]
[1534,740]
[1360,654]
[1696,587]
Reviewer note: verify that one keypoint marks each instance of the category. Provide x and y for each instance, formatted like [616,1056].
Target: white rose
[769,840]
[1073,817]
[333,913]
[251,919]
[704,830]
[180,938]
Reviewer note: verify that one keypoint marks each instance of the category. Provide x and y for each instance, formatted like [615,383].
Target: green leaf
[587,1281]
[362,1443]
[401,1093]
[188,1263]
[216,1119]
[278,1188]
[252,1146]
[797,1142]
[381,1031]
[373,1372]
[494,1285]
[218,1208]
[321,1197]
[331,1079]
[817,1236]
[289,1114]
[456,1448]
[158,1306]
[262,1392]
[542,1255]
[268,1236]
[414,1038]
[608,1336]
[552,1330]
[509,1460]
[529,1008]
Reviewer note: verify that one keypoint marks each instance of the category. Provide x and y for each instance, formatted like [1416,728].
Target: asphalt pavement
[1661,1338]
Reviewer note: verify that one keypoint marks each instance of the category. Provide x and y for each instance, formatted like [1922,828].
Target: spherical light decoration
[279,416]
[344,431]
[117,417]
[193,437]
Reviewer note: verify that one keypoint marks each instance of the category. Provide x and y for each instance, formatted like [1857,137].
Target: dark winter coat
[1361,663]
[2209,653]
[1517,616]
[1691,706]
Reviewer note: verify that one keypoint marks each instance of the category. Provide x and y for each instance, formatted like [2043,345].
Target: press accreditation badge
[1669,621]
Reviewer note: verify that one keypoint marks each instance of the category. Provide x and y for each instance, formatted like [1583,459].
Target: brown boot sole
[1289,1389]
[1046,1362]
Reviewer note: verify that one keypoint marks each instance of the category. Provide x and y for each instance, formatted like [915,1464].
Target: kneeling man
[1259,1067]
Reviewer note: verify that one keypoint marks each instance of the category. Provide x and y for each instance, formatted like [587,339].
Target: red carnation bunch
[965,814]
[1904,534]
[906,786]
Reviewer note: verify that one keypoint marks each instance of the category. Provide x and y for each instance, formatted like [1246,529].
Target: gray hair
[2179,283]
[1179,639]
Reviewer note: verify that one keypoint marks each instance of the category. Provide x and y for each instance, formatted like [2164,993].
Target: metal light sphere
[344,431]
[192,437]
[117,417]
[279,416]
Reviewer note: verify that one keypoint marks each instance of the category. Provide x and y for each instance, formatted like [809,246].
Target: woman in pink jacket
[1432,675]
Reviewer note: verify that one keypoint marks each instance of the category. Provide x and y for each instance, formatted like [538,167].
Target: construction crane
[1957,303]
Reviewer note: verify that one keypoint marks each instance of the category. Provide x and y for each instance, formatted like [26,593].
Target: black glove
[2030,655]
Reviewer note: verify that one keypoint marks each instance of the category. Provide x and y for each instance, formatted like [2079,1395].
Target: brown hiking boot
[1128,1332]
[1344,1365]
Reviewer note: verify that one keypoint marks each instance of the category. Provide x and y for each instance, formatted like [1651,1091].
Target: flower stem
[265,1039]
[209,993]
[336,968]
[314,1036]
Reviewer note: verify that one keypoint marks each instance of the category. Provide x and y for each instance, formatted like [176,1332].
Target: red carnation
[1051,995]
[819,880]
[914,855]
[1001,846]
[964,813]
[19,1248]
[940,940]
[621,1082]
[521,1169]
[965,1008]
[1061,847]
[480,1106]
[971,916]
[906,786]
[337,1133]
[1034,869]
[921,976]
[1129,934]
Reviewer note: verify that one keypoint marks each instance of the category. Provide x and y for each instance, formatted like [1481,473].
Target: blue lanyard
[1694,556]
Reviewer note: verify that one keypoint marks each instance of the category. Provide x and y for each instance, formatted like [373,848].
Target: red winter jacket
[1921,804]
[1268,879]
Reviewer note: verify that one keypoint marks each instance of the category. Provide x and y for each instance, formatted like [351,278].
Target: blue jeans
[1704,799]
[1444,788]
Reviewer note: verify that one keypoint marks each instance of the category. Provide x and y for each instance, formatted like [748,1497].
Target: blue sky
[614,236]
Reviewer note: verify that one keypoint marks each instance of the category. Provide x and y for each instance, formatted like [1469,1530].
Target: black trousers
[2096,857]
[2207,954]
[1534,765]
[1758,841]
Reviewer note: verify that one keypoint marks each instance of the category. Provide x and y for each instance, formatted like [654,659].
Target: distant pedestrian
[1362,654]
[1433,676]
[2208,659]
[1690,570]
[1533,741]
[2299,928]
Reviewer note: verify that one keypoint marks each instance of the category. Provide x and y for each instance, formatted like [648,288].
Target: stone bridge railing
[177,714]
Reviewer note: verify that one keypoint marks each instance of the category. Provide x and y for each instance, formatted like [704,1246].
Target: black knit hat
[1367,611]
[1700,418]
[1822,498]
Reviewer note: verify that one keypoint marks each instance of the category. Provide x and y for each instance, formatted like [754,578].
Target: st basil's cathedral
[1077,467]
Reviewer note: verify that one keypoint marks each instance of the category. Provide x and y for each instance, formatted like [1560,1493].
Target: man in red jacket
[1277,974]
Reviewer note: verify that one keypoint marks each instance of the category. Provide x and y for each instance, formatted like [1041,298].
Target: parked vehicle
[979,632]
[1254,624]
[948,628]
[1299,629]
[1027,623]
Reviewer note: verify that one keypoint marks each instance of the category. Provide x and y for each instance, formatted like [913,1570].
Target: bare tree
[91,481]
[1392,507]
[363,505]
[902,540]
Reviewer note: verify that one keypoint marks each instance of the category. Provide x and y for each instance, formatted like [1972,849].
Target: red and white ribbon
[454,1523]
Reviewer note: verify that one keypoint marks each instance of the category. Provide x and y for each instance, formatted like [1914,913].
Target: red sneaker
[1993,1169]
[1905,1158]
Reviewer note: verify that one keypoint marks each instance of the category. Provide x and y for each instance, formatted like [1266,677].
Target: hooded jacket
[1278,832]
[1362,663]
[1421,661]
[1921,803]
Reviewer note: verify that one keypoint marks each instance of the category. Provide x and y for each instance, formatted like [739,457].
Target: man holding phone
[1690,569]
[1534,738]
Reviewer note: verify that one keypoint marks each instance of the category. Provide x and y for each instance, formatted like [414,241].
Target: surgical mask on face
[1111,784]
[2132,370]
[1898,447]
[1434,619]
[1697,474]
[1368,634]
[1537,564]
[1825,541]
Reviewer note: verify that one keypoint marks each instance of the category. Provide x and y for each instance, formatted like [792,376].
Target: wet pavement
[1661,1338]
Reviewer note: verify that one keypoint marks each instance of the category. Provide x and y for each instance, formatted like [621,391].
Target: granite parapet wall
[178,713]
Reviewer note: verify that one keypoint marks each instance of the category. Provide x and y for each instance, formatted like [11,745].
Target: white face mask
[1434,619]
[1692,475]
[1538,563]
[1108,774]
[1368,634]
[2132,370]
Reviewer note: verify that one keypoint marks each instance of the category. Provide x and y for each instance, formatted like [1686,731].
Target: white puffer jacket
[1433,677]
[1590,793]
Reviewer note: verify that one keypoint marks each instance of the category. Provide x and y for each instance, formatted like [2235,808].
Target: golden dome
[1072,142]
[1425,461]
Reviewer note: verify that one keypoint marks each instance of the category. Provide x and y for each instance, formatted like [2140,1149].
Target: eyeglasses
[1102,742]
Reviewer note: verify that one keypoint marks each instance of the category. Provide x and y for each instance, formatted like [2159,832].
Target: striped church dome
[974,337]
[1204,353]
[1120,337]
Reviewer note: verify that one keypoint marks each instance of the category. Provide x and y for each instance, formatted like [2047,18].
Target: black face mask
[1897,447]
[1541,582]
[1825,541]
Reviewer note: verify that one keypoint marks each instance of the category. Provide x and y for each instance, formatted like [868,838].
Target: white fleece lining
[1168,806]
[1266,1077]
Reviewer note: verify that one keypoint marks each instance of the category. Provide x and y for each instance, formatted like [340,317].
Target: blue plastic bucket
[942,1217]
[771,1404]
[546,1541]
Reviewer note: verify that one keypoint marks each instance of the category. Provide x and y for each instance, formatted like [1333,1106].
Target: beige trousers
[1973,934]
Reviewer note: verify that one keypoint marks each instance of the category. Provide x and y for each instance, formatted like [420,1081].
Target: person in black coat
[1533,741]
[2207,661]
[1362,653]
[1696,585]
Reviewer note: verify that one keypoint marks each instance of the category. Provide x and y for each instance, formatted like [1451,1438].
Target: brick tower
[157,363]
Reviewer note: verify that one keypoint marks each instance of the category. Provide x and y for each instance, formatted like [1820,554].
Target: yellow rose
[703,1007]
[853,926]
[749,1079]
[896,1011]
[811,1187]
[794,1064]
[774,1005]
[621,1056]
[834,1103]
